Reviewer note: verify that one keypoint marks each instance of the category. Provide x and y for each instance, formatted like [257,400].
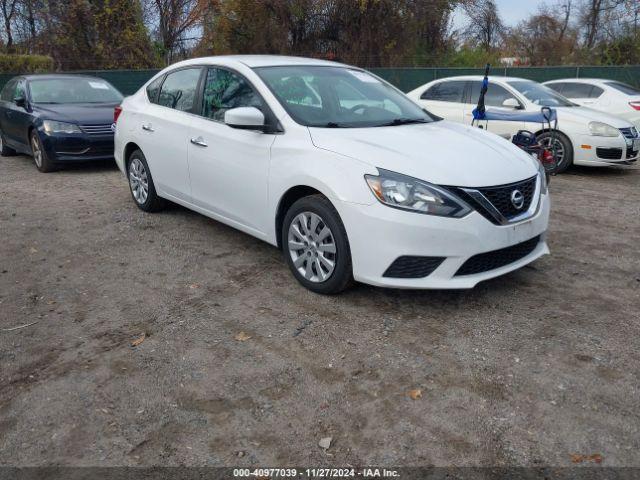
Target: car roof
[53,76]
[598,81]
[481,77]
[253,61]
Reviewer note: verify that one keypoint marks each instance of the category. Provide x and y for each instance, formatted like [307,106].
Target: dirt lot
[528,369]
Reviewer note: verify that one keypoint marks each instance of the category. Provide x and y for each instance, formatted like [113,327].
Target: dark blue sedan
[58,118]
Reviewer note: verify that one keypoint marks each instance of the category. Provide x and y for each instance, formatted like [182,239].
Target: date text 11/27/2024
[269,473]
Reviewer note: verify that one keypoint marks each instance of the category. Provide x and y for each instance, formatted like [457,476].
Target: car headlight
[409,193]
[543,178]
[51,126]
[600,129]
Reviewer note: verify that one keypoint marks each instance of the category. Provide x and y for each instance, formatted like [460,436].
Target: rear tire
[564,145]
[4,150]
[316,247]
[141,184]
[40,157]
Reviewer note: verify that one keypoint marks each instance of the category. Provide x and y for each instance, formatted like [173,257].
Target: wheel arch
[287,199]
[129,148]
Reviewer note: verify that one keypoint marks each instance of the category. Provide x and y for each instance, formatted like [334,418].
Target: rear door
[163,131]
[494,98]
[445,99]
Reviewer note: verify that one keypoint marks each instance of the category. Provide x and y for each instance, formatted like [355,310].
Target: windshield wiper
[403,121]
[334,125]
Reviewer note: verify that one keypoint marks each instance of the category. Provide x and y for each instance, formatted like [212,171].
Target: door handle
[147,127]
[199,141]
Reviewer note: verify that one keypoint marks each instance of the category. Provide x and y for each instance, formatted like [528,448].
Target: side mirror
[245,118]
[20,101]
[511,103]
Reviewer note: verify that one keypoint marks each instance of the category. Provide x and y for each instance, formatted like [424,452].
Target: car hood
[441,152]
[586,115]
[81,114]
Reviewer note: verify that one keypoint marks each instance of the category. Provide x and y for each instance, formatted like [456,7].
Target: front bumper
[378,235]
[77,147]
[603,151]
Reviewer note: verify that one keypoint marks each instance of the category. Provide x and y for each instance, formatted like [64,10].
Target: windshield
[624,88]
[73,90]
[540,94]
[338,97]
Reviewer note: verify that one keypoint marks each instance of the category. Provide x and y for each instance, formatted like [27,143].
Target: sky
[511,11]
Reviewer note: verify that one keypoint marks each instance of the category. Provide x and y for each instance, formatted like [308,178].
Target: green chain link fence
[407,79]
[129,81]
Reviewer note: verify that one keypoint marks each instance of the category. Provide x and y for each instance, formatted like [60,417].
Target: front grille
[631,132]
[609,153]
[101,129]
[413,267]
[487,261]
[500,197]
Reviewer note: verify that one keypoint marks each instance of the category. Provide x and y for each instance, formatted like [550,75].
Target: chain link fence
[129,81]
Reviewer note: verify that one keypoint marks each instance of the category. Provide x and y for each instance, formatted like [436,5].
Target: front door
[494,99]
[229,167]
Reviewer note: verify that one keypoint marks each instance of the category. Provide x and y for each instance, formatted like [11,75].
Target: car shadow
[96,166]
[613,171]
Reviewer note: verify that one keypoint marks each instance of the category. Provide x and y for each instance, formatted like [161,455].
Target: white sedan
[609,96]
[351,179]
[584,136]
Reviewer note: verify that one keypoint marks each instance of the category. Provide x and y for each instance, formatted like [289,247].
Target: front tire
[316,246]
[141,184]
[563,147]
[40,158]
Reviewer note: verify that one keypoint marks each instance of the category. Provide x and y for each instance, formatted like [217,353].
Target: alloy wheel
[37,151]
[312,247]
[138,179]
[557,148]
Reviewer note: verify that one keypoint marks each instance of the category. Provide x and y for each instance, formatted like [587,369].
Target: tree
[546,38]
[95,34]
[172,20]
[485,25]
[8,8]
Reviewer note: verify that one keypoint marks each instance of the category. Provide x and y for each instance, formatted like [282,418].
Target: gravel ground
[534,368]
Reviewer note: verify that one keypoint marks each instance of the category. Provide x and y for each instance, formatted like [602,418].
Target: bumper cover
[77,147]
[378,235]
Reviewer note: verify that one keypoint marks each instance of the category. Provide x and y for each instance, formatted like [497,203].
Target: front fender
[299,163]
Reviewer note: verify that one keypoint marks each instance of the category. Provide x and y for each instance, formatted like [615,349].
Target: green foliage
[623,51]
[25,63]
[105,34]
[470,57]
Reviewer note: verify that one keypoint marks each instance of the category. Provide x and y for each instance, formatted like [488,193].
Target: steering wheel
[360,106]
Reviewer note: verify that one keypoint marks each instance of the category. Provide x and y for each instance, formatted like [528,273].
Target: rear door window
[179,89]
[556,87]
[153,89]
[577,90]
[452,91]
